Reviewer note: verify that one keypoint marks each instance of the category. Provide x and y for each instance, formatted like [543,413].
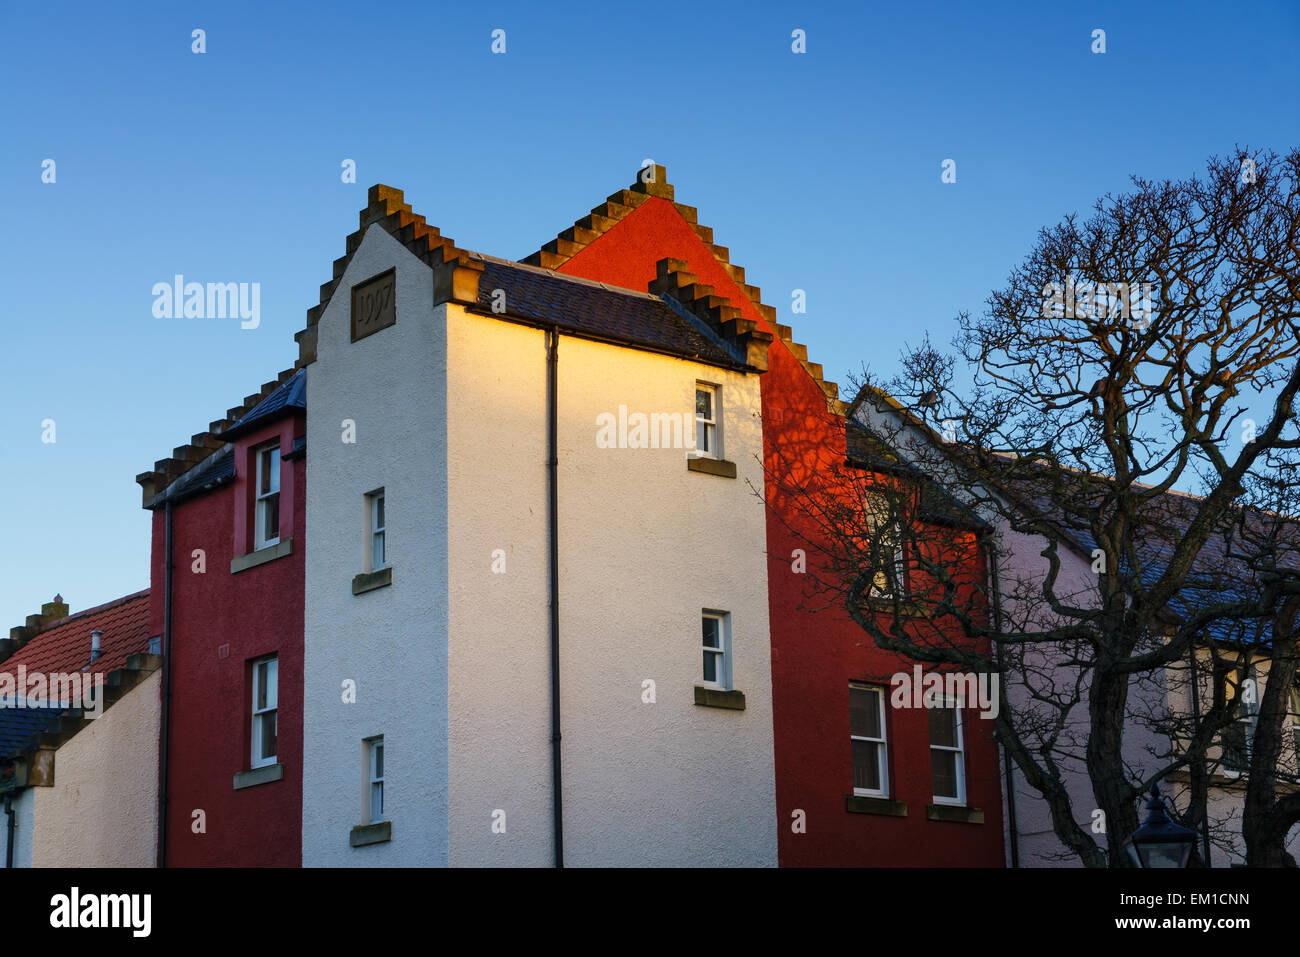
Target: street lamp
[1160,842]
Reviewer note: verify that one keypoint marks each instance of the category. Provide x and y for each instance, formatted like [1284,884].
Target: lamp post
[1160,842]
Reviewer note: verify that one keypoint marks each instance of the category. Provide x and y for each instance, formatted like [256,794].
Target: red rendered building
[642,239]
[230,610]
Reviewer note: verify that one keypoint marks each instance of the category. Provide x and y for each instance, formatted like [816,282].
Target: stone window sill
[369,581]
[249,779]
[857,804]
[263,555]
[716,698]
[364,834]
[711,466]
[954,812]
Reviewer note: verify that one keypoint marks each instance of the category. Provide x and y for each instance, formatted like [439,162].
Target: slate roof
[18,725]
[1220,572]
[64,645]
[599,311]
[291,394]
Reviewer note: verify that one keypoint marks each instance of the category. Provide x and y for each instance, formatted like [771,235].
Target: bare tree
[1149,349]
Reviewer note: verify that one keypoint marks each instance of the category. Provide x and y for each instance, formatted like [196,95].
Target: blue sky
[820,171]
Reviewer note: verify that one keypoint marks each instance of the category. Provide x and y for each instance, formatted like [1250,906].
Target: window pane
[376,801]
[379,512]
[704,404]
[702,436]
[864,713]
[271,516]
[943,727]
[259,681]
[866,765]
[272,682]
[943,768]
[710,666]
[268,724]
[377,551]
[379,760]
[712,633]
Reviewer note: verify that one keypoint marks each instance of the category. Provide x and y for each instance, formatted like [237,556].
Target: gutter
[1013,831]
[165,727]
[10,828]
[1196,710]
[552,476]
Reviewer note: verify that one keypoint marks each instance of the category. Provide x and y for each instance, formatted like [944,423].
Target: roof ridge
[652,181]
[583,280]
[115,603]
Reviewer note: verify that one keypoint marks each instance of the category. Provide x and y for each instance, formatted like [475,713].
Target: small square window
[867,740]
[265,710]
[707,437]
[947,764]
[266,510]
[716,631]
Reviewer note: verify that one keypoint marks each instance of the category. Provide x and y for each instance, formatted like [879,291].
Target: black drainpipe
[1196,710]
[164,730]
[1013,831]
[552,476]
[9,831]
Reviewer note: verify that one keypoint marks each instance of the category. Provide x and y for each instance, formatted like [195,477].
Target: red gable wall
[219,622]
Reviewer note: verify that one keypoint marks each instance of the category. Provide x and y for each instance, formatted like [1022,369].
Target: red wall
[257,612]
[816,651]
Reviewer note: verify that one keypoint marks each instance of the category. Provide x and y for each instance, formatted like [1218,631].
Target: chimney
[95,637]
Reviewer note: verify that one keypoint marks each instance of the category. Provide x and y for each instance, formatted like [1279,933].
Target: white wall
[645,545]
[103,808]
[452,660]
[392,642]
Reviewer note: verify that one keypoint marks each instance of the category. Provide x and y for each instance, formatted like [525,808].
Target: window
[1295,722]
[266,513]
[867,740]
[887,544]
[265,703]
[706,421]
[946,760]
[716,628]
[378,551]
[1238,738]
[374,794]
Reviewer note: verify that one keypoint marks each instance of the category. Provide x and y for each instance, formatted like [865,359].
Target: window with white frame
[377,554]
[374,793]
[266,511]
[1238,738]
[867,739]
[887,545]
[716,628]
[265,705]
[947,760]
[707,414]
